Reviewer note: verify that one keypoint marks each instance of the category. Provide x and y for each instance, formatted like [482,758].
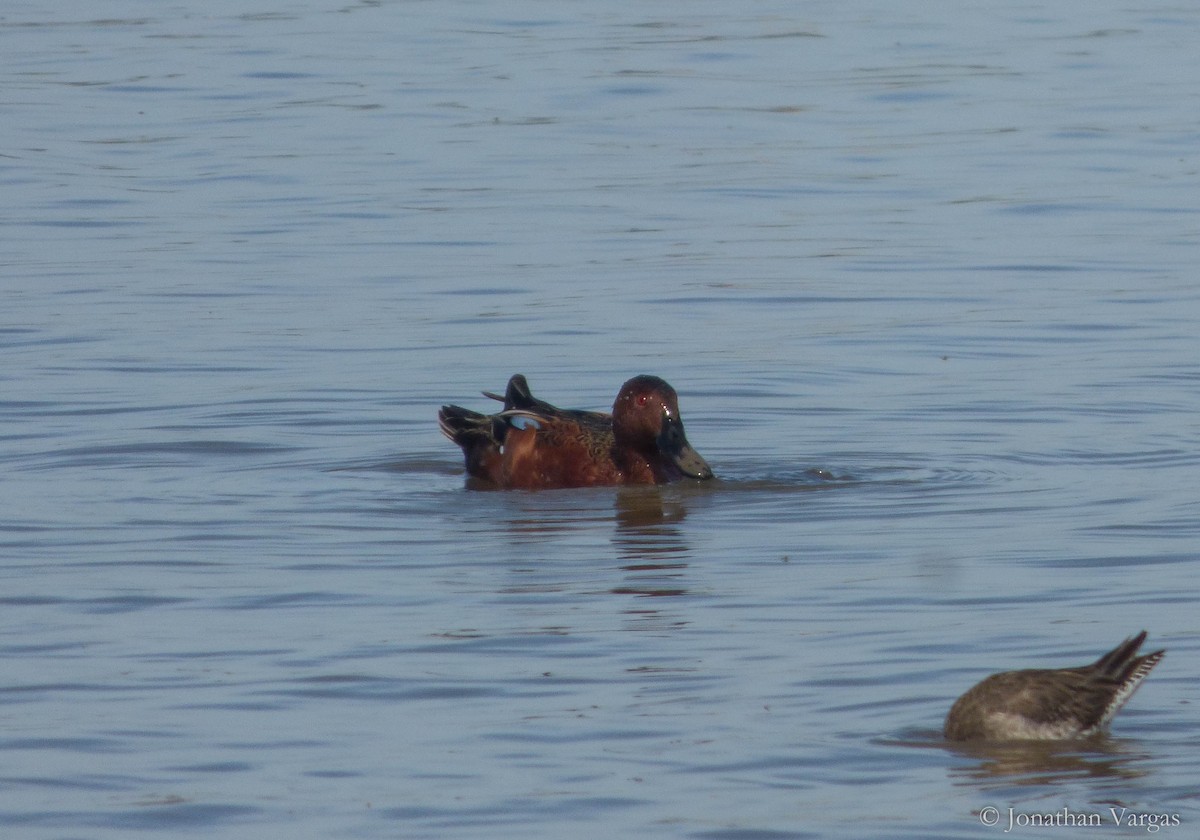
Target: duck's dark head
[646,419]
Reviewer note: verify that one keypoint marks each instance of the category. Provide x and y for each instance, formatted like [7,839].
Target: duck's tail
[481,437]
[1126,670]
[468,428]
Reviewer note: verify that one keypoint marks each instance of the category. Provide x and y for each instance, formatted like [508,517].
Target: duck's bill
[674,445]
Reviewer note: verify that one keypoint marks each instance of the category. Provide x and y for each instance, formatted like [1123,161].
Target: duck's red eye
[642,399]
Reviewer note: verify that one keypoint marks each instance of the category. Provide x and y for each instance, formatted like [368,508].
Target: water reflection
[647,524]
[650,542]
[557,544]
[1028,763]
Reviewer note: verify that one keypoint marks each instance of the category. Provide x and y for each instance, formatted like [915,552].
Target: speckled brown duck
[1052,704]
[532,444]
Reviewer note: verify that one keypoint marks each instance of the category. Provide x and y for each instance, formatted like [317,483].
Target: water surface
[924,283]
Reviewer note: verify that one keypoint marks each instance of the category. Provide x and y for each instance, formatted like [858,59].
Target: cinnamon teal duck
[532,444]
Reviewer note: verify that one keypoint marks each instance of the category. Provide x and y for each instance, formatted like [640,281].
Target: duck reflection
[653,552]
[650,542]
[1047,762]
[549,548]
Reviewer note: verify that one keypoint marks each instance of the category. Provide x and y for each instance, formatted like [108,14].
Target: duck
[532,444]
[1051,704]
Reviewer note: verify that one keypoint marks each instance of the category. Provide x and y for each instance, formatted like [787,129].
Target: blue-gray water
[924,277]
